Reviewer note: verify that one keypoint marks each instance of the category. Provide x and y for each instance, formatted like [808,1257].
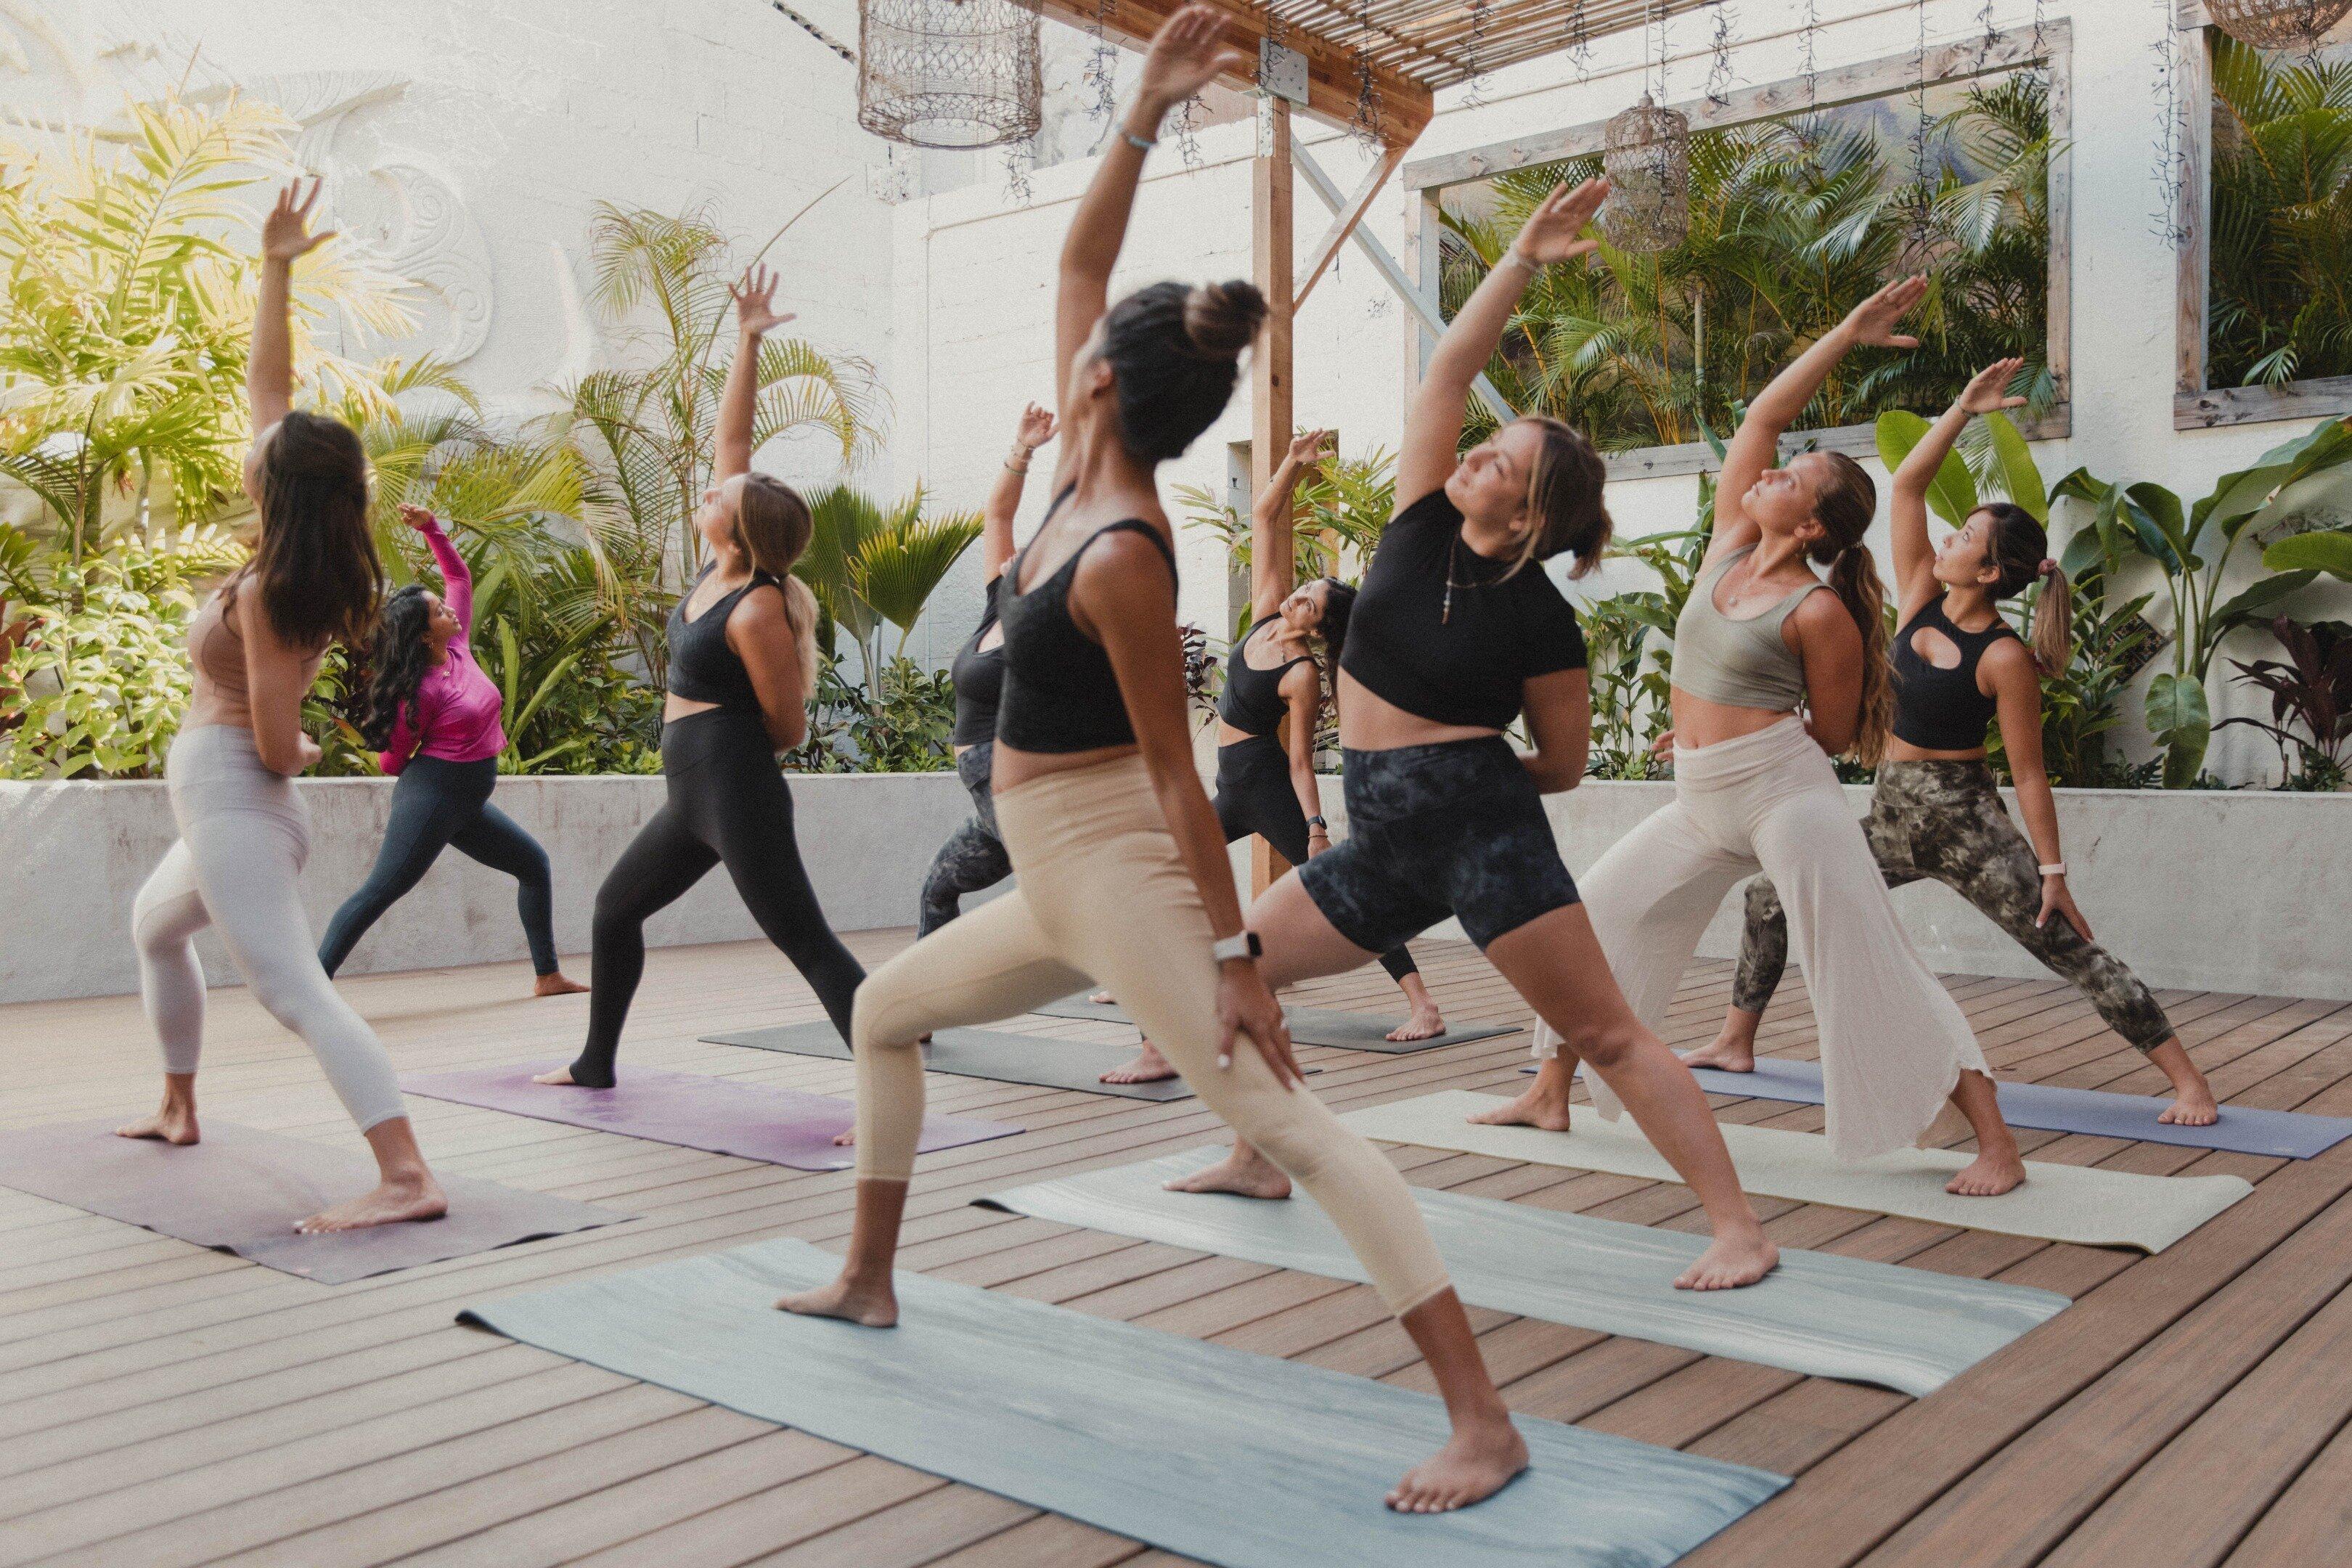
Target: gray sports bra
[1742,664]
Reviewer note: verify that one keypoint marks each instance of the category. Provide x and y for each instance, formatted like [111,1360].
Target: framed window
[2265,229]
[1975,189]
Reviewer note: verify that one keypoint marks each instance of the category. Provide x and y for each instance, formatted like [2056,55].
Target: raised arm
[456,578]
[1272,518]
[269,363]
[739,402]
[1432,424]
[1186,55]
[1915,580]
[1756,444]
[1036,428]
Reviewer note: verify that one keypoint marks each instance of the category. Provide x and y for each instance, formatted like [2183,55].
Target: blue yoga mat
[2289,1134]
[1234,1458]
[1905,1329]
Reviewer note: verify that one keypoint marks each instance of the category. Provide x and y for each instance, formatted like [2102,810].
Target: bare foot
[1244,1171]
[392,1202]
[561,1077]
[1427,1024]
[1730,1052]
[876,1307]
[1148,1067]
[2192,1108]
[845,1138]
[556,984]
[1539,1107]
[173,1125]
[1733,1261]
[1474,1464]
[1103,998]
[1988,1177]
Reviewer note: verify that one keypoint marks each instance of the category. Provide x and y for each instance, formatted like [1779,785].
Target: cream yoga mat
[2057,1203]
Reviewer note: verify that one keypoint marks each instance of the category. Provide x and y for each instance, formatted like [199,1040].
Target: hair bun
[1221,318]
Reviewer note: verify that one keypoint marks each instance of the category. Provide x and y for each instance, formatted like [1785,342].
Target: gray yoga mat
[752,1121]
[1818,1313]
[1308,1027]
[241,1191]
[2288,1134]
[1234,1458]
[981,1053]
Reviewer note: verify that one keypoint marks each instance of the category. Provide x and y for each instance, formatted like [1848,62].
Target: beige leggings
[1103,897]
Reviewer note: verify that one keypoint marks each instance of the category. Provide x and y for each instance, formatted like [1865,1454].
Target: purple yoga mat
[242,1191]
[753,1121]
[2287,1134]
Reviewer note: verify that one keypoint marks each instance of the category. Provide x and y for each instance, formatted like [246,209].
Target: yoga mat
[2056,1203]
[2289,1134]
[241,1191]
[1308,1027]
[1905,1329]
[1216,1454]
[752,1121]
[981,1053]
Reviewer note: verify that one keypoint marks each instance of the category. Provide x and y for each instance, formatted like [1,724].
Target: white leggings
[244,835]
[1893,1041]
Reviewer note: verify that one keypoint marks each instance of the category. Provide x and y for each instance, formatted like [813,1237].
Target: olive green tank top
[1742,664]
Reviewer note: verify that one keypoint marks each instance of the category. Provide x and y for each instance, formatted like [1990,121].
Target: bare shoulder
[759,612]
[1822,619]
[2009,662]
[1120,557]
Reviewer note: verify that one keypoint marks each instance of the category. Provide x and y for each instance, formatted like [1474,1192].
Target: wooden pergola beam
[1345,219]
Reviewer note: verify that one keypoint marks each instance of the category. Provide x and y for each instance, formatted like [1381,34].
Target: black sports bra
[1060,693]
[1251,700]
[1939,709]
[979,676]
[702,668]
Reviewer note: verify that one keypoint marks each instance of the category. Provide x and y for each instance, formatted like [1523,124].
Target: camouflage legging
[1946,820]
[973,857]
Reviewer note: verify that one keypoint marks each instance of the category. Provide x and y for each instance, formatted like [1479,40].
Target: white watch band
[1241,945]
[2056,869]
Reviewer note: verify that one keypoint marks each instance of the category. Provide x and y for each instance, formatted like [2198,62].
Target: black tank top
[1252,699]
[702,668]
[1060,693]
[979,676]
[1941,710]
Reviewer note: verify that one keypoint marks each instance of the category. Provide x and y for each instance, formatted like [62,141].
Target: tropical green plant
[906,728]
[2311,702]
[871,562]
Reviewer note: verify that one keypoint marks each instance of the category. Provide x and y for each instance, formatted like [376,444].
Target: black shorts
[1453,830]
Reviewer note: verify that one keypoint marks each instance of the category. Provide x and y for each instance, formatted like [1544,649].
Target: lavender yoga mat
[752,1121]
[241,1191]
[2288,1134]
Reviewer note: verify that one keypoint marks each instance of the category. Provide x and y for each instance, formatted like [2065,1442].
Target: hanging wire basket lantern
[948,73]
[2279,25]
[1645,153]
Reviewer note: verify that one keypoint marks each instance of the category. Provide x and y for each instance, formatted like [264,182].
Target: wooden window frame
[1427,180]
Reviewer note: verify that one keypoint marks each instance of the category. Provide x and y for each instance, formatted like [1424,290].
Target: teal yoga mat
[1904,1329]
[1308,1027]
[1234,1458]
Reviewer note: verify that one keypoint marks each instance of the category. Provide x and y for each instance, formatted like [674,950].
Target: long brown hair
[1564,491]
[773,528]
[2020,550]
[1844,506]
[315,564]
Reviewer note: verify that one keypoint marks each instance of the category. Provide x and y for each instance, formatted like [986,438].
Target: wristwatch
[1241,945]
[1318,822]
[2057,868]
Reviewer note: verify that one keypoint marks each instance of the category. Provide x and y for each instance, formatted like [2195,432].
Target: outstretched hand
[286,232]
[755,303]
[1309,448]
[1554,231]
[1984,392]
[1187,54]
[419,517]
[1035,428]
[1874,320]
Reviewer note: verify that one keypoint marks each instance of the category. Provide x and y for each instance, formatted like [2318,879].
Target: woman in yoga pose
[1761,639]
[1267,717]
[433,716]
[742,665]
[1123,873]
[974,858]
[244,832]
[1936,810]
[1458,630]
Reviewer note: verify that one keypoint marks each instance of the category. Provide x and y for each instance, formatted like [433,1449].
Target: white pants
[244,835]
[1893,1041]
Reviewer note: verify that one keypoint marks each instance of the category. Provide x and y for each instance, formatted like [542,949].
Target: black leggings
[728,804]
[974,858]
[439,803]
[1254,795]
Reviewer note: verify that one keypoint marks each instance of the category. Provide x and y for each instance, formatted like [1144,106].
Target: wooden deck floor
[161,1405]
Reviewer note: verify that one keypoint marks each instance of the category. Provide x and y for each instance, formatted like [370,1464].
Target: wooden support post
[1271,413]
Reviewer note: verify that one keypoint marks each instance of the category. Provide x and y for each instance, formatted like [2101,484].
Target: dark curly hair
[400,655]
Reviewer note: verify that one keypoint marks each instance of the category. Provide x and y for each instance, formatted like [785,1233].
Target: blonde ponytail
[800,614]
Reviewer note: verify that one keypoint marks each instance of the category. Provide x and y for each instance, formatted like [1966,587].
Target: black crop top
[979,675]
[1941,710]
[702,668]
[1251,700]
[1060,693]
[1465,666]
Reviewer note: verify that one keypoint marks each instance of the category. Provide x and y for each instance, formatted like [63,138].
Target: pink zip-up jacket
[458,706]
